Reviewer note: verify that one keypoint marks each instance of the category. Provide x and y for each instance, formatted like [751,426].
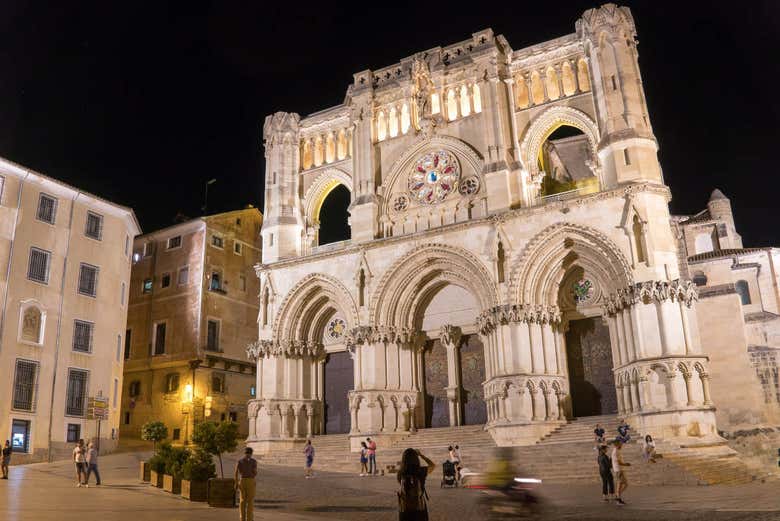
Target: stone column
[644,390]
[686,327]
[573,64]
[673,397]
[284,431]
[354,413]
[450,338]
[629,332]
[252,414]
[296,423]
[412,420]
[639,341]
[662,328]
[309,421]
[619,393]
[634,386]
[705,387]
[537,349]
[688,388]
[559,74]
[560,397]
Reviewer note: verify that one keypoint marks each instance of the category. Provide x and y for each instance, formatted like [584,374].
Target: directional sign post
[97,409]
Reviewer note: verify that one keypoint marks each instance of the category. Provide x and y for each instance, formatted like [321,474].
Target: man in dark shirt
[6,458]
[246,470]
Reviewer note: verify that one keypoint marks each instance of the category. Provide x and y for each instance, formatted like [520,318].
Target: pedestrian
[92,464]
[372,470]
[598,434]
[649,450]
[605,471]
[412,497]
[308,451]
[623,435]
[80,459]
[363,459]
[246,471]
[453,457]
[6,455]
[617,470]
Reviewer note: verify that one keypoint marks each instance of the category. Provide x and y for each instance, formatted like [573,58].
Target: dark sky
[142,103]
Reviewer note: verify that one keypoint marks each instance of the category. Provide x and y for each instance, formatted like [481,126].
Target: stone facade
[467,263]
[65,257]
[193,299]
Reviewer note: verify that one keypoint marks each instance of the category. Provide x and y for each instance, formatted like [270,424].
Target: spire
[717,195]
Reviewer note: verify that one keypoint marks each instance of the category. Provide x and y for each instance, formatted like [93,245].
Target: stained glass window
[583,291]
[434,176]
[336,329]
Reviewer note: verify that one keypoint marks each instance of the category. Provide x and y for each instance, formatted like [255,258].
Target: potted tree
[216,439]
[157,464]
[153,431]
[196,473]
[173,467]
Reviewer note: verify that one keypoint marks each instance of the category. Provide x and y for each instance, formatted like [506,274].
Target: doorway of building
[436,407]
[338,381]
[20,435]
[589,356]
[472,374]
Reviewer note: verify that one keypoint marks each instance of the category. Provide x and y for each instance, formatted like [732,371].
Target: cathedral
[512,259]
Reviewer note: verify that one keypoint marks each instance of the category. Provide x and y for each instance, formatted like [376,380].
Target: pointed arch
[325,182]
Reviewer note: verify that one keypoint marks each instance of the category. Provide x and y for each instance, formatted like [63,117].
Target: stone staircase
[566,455]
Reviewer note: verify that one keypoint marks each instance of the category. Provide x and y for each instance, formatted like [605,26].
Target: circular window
[583,291]
[469,186]
[336,329]
[435,175]
[400,203]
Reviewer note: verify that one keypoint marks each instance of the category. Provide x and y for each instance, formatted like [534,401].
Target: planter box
[222,492]
[145,471]
[171,484]
[156,479]
[195,490]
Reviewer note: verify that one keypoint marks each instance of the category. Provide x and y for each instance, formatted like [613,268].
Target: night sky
[141,103]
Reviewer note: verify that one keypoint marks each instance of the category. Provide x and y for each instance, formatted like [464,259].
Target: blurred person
[598,435]
[605,472]
[617,470]
[648,453]
[92,464]
[363,459]
[372,470]
[246,471]
[623,435]
[6,458]
[412,497]
[80,460]
[308,451]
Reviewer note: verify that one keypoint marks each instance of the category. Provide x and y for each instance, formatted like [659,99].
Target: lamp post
[206,199]
[190,391]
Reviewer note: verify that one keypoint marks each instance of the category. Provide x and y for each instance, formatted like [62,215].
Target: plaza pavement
[42,492]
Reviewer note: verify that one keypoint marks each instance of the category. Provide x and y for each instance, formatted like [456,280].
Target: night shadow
[345,508]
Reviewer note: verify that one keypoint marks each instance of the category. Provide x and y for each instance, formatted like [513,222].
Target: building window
[134,389]
[20,435]
[166,280]
[242,282]
[118,347]
[176,434]
[127,244]
[159,338]
[147,287]
[174,242]
[238,248]
[116,393]
[184,275]
[148,249]
[94,227]
[47,209]
[128,334]
[626,157]
[88,276]
[233,416]
[216,241]
[25,384]
[212,337]
[77,392]
[700,279]
[74,432]
[238,222]
[743,290]
[252,391]
[216,281]
[172,383]
[218,383]
[122,294]
[38,267]
[83,332]
[127,417]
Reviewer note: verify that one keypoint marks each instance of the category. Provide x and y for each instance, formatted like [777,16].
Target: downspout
[59,328]
[11,255]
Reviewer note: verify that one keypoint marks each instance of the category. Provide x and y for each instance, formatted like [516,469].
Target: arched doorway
[338,381]
[333,216]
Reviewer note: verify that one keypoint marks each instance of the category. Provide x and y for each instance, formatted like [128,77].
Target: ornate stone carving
[285,349]
[449,335]
[388,334]
[489,319]
[683,291]
[422,87]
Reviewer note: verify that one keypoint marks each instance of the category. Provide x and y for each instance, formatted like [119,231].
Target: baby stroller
[449,475]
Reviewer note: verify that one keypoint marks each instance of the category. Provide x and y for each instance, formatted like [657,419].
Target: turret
[719,207]
[628,149]
[283,223]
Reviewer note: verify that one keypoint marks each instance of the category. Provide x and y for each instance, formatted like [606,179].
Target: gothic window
[523,98]
[582,75]
[636,229]
[381,126]
[435,108]
[469,186]
[434,176]
[32,322]
[405,119]
[465,107]
[335,330]
[551,79]
[583,291]
[477,98]
[452,105]
[400,203]
[743,290]
[265,307]
[537,89]
[501,262]
[393,122]
[567,79]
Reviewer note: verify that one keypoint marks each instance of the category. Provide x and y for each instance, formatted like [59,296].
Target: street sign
[97,408]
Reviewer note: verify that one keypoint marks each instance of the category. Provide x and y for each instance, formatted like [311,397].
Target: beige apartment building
[64,272]
[193,310]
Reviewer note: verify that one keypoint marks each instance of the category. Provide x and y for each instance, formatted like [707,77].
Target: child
[605,471]
[363,459]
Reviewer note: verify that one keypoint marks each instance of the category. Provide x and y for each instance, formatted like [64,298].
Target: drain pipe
[50,456]
[11,253]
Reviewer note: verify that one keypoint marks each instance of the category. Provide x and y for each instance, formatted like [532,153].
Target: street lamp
[188,400]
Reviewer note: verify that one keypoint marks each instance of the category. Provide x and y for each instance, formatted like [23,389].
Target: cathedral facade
[512,259]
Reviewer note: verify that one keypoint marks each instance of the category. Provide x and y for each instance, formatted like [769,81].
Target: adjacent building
[65,258]
[193,307]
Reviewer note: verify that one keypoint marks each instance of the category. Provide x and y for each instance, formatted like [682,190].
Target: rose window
[401,203]
[469,186]
[336,328]
[434,176]
[583,291]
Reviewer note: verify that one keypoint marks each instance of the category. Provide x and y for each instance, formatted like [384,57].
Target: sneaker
[78,485]
[620,502]
[86,485]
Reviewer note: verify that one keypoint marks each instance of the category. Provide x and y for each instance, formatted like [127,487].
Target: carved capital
[450,335]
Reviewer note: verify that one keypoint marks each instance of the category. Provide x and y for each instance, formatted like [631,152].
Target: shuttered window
[38,267]
[75,401]
[82,336]
[184,275]
[47,209]
[88,275]
[25,382]
[94,228]
[212,337]
[159,339]
[128,334]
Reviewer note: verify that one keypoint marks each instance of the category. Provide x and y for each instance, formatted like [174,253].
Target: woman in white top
[649,452]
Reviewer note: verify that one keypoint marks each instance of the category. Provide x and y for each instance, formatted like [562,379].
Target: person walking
[80,459]
[605,471]
[363,459]
[246,471]
[412,497]
[372,470]
[92,464]
[6,458]
[623,435]
[649,450]
[308,451]
[617,470]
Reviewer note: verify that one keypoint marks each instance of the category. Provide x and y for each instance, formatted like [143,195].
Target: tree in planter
[154,431]
[199,467]
[175,460]
[216,438]
[158,462]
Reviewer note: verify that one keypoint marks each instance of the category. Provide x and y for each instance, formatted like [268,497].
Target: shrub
[216,438]
[199,467]
[160,459]
[175,460]
[154,431]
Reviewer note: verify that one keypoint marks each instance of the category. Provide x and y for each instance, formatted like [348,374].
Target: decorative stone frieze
[489,319]
[683,291]
[285,349]
[389,334]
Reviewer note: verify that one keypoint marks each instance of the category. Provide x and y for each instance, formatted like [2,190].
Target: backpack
[412,497]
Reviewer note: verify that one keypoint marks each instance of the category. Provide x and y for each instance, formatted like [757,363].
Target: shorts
[363,460]
[620,478]
[6,460]
[309,462]
[81,467]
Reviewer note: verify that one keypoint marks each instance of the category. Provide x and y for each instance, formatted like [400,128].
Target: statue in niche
[422,89]
[31,325]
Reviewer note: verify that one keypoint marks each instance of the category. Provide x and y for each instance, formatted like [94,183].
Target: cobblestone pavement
[44,492]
